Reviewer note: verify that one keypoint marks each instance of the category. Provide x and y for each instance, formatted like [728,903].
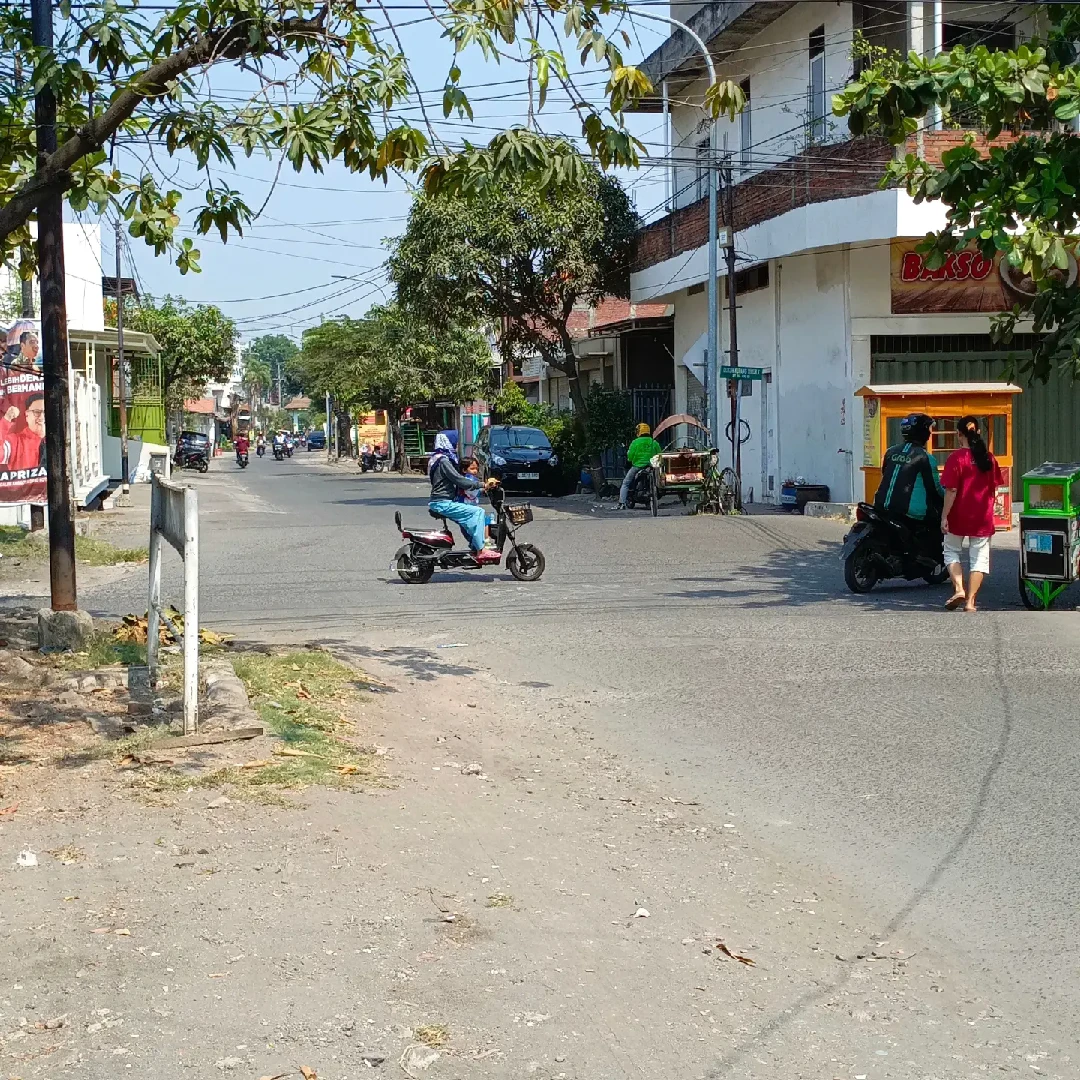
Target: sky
[316,250]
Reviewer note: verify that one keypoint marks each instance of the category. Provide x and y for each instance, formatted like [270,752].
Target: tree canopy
[1020,199]
[198,343]
[327,80]
[389,360]
[276,352]
[521,258]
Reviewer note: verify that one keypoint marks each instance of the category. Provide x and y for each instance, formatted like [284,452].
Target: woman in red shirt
[971,478]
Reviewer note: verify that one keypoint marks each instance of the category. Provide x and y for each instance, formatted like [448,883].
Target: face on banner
[22,416]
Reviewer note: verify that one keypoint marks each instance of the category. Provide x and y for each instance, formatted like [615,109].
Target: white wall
[82,265]
[777,63]
[814,372]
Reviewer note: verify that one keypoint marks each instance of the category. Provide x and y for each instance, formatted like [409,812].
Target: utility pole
[733,329]
[125,475]
[712,359]
[54,337]
[328,428]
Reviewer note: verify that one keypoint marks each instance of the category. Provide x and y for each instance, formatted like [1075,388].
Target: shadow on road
[795,578]
[420,663]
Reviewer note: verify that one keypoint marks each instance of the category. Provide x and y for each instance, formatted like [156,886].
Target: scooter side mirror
[397,519]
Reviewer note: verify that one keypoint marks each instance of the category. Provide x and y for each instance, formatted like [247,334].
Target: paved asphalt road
[925,761]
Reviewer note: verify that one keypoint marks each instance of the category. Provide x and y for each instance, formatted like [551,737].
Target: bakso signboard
[967,282]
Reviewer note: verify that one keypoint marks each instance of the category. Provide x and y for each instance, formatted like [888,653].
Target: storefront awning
[922,389]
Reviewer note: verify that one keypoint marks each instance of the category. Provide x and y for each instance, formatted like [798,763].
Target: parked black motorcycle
[429,549]
[883,545]
[374,461]
[191,457]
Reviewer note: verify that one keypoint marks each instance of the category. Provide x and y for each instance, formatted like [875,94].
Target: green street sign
[742,373]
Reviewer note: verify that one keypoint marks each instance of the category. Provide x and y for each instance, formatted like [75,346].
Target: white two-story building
[826,298]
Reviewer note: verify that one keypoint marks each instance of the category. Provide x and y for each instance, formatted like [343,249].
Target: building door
[1046,416]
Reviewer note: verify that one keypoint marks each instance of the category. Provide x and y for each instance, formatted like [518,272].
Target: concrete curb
[834,510]
[227,704]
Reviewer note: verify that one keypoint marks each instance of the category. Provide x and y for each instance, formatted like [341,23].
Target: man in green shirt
[640,452]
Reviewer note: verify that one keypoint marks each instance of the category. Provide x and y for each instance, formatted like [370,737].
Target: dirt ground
[505,901]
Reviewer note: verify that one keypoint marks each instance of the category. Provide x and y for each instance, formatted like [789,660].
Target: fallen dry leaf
[100,930]
[260,764]
[308,1074]
[348,770]
[303,693]
[280,1076]
[218,975]
[8,809]
[123,932]
[284,751]
[735,956]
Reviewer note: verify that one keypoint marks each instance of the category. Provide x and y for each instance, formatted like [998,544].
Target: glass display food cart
[886,404]
[1049,533]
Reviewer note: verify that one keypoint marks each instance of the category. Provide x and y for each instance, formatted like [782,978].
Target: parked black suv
[521,457]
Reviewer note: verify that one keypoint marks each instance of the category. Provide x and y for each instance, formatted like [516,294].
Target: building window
[816,116]
[702,161]
[746,139]
[751,279]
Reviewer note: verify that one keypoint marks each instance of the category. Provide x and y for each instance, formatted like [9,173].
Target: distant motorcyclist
[242,445]
[910,486]
[260,444]
[639,454]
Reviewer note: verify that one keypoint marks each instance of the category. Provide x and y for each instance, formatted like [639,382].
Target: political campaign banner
[22,415]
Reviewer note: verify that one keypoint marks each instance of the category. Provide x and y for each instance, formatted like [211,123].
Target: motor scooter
[430,549]
[883,545]
[242,458]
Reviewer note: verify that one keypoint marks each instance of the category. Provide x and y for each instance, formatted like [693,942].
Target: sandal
[958,600]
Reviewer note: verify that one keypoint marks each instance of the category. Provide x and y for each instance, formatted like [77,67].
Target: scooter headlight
[496,460]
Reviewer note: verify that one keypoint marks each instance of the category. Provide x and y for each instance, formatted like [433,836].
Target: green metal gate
[1046,416]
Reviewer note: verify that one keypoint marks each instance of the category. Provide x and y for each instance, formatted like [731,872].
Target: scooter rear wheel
[409,570]
[525,562]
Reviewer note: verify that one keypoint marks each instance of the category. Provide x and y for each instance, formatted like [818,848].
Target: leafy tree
[277,352]
[198,343]
[390,359]
[520,257]
[327,82]
[255,378]
[1022,199]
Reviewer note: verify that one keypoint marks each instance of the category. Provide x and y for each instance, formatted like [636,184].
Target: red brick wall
[935,143]
[817,175]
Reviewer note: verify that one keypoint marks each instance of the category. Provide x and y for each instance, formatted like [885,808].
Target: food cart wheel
[1038,595]
[654,498]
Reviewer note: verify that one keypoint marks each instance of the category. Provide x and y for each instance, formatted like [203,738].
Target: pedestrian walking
[971,478]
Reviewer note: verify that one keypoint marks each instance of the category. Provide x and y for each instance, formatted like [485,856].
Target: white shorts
[978,552]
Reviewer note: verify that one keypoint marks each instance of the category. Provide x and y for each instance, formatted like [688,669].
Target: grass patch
[300,697]
[500,899]
[433,1035]
[93,552]
[17,543]
[103,651]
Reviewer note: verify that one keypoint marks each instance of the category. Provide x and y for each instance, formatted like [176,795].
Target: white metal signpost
[174,517]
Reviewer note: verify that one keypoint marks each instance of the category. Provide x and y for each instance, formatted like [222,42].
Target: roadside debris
[27,858]
[133,629]
[641,913]
[735,956]
[474,768]
[416,1058]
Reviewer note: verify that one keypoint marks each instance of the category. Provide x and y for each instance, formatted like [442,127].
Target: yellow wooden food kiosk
[885,405]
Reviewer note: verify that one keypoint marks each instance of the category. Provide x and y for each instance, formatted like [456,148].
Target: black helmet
[917,427]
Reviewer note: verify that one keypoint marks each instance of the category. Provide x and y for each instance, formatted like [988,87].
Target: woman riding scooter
[446,480]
